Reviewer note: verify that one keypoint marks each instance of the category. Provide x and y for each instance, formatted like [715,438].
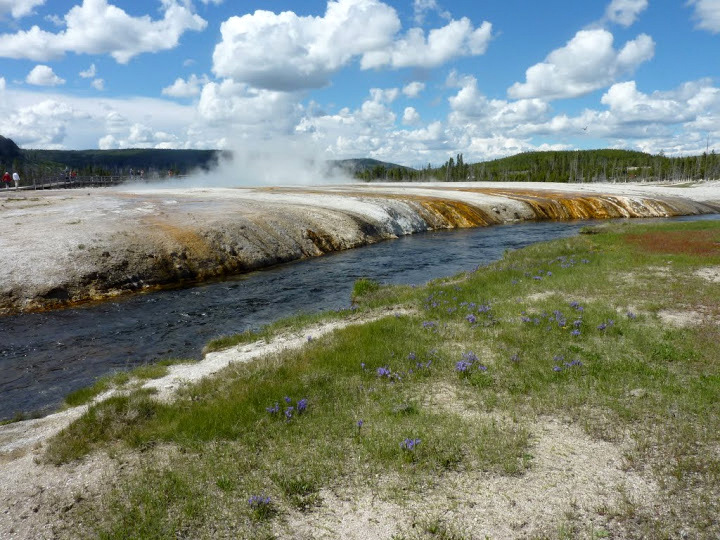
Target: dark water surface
[45,356]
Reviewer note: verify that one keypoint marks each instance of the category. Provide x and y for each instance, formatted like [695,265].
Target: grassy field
[581,375]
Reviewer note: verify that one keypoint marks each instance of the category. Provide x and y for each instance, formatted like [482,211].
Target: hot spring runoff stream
[44,356]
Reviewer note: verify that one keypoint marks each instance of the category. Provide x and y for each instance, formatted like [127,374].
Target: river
[44,356]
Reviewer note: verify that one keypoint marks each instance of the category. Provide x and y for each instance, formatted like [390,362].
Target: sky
[407,81]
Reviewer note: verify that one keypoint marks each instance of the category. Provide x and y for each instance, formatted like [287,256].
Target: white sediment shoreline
[70,246]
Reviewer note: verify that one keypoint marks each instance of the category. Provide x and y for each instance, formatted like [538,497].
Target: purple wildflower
[383,372]
[575,332]
[631,315]
[362,365]
[259,501]
[409,444]
[515,357]
[471,319]
[287,399]
[411,356]
[602,326]
[302,405]
[309,338]
[557,368]
[274,409]
[289,413]
[462,366]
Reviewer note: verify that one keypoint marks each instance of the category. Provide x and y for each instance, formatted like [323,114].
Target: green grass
[622,376]
[121,379]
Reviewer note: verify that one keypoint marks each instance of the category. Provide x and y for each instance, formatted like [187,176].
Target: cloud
[253,111]
[2,84]
[43,76]
[413,89]
[469,107]
[411,117]
[89,73]
[87,33]
[422,7]
[183,89]
[586,63]
[288,52]
[43,125]
[98,84]
[19,8]
[707,13]
[625,12]
[457,38]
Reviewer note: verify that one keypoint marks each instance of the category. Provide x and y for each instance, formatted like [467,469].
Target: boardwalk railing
[69,182]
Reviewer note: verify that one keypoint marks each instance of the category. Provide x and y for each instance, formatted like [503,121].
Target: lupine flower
[462,366]
[514,282]
[537,278]
[483,308]
[575,332]
[309,338]
[302,405]
[559,357]
[360,423]
[577,323]
[471,319]
[383,372]
[409,444]
[289,413]
[557,368]
[469,357]
[257,501]
[362,365]
[411,356]
[549,273]
[274,409]
[574,305]
[602,326]
[525,319]
[631,315]
[287,399]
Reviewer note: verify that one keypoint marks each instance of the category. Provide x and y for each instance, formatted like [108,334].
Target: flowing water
[44,356]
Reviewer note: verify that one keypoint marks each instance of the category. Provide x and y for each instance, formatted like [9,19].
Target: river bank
[68,247]
[570,389]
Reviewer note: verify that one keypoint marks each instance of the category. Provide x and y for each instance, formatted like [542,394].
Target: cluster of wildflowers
[290,410]
[409,444]
[469,363]
[565,365]
[605,325]
[429,324]
[261,506]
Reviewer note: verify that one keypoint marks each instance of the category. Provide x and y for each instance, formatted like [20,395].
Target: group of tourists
[15,178]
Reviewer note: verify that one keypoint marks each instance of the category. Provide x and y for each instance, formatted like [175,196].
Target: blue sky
[407,81]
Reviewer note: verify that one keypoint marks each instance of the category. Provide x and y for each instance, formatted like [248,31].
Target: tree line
[560,166]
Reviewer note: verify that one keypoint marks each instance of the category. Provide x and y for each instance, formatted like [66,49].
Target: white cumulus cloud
[707,14]
[410,116]
[182,88]
[625,12]
[289,52]
[586,63]
[42,75]
[19,8]
[89,73]
[87,32]
[413,89]
[457,38]
[98,84]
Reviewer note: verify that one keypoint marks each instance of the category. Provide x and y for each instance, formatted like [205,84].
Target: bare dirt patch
[573,479]
[710,273]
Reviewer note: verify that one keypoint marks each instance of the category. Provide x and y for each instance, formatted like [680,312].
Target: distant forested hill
[43,163]
[566,166]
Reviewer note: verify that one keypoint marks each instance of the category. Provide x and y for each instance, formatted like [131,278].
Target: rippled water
[45,356]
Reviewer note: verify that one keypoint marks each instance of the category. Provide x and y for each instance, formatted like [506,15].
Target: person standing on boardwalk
[16,179]
[6,180]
